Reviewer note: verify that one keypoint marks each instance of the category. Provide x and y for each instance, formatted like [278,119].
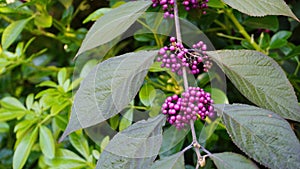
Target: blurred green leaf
[66,3]
[62,76]
[80,143]
[147,94]
[216,4]
[4,127]
[218,96]
[126,120]
[280,39]
[228,160]
[96,14]
[43,20]
[24,148]
[11,103]
[104,143]
[11,32]
[267,22]
[29,101]
[9,115]
[46,141]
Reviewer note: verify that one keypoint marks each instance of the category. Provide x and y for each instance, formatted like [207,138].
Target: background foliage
[39,40]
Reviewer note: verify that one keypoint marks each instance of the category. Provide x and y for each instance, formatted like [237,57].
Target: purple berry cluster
[175,56]
[168,6]
[194,103]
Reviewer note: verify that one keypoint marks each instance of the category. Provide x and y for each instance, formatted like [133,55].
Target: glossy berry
[175,57]
[194,103]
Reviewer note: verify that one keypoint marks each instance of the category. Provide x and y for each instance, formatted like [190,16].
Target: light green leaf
[106,91]
[11,32]
[4,127]
[261,7]
[23,149]
[9,115]
[62,76]
[262,135]
[104,143]
[260,79]
[79,142]
[43,20]
[66,159]
[147,94]
[120,19]
[11,103]
[135,147]
[175,161]
[126,120]
[47,143]
[29,101]
[218,96]
[66,3]
[47,84]
[228,160]
[96,14]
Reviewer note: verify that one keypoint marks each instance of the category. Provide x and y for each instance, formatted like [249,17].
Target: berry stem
[196,145]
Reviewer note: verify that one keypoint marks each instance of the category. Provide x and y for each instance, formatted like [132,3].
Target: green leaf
[135,147]
[216,4]
[79,142]
[48,84]
[9,115]
[261,7]
[175,161]
[43,20]
[11,32]
[46,141]
[62,76]
[11,103]
[113,24]
[66,3]
[218,96]
[280,39]
[106,91]
[147,94]
[96,14]
[66,159]
[126,120]
[262,135]
[104,143]
[29,101]
[4,127]
[260,79]
[23,149]
[268,22]
[208,130]
[228,160]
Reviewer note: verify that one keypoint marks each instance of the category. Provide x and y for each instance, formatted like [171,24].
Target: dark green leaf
[228,160]
[268,22]
[113,24]
[11,32]
[23,149]
[279,39]
[262,135]
[147,94]
[46,141]
[108,89]
[261,7]
[135,147]
[260,79]
[175,161]
[80,143]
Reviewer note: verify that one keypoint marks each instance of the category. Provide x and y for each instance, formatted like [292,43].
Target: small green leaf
[29,101]
[66,3]
[175,161]
[261,7]
[23,149]
[135,147]
[79,142]
[260,79]
[228,160]
[280,39]
[104,143]
[126,120]
[147,94]
[96,14]
[11,103]
[9,115]
[11,32]
[43,20]
[218,96]
[47,84]
[268,22]
[62,76]
[4,127]
[47,143]
[216,4]
[261,134]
